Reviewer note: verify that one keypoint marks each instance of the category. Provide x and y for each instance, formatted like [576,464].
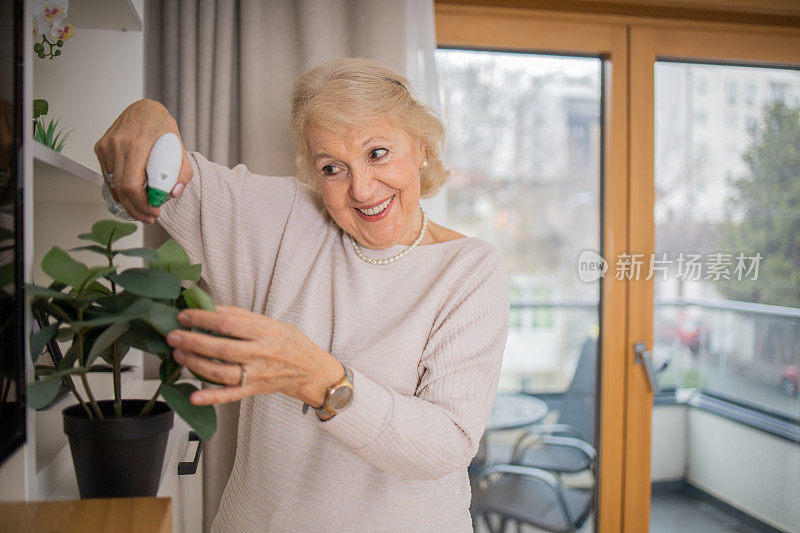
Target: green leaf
[201,418]
[173,258]
[97,272]
[89,248]
[197,298]
[98,288]
[61,267]
[51,309]
[39,339]
[40,106]
[106,232]
[166,369]
[41,392]
[144,337]
[164,318]
[35,290]
[149,282]
[69,358]
[117,302]
[148,253]
[64,335]
[106,339]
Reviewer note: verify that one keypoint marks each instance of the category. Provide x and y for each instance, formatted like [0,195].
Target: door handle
[642,356]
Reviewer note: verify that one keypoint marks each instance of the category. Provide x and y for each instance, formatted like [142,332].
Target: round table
[515,410]
[510,411]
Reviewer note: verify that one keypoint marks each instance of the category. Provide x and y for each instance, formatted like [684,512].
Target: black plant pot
[118,457]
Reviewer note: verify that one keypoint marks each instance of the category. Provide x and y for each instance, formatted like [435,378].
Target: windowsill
[753,417]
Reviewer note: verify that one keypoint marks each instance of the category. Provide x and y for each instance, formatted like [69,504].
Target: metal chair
[529,490]
[527,495]
[567,446]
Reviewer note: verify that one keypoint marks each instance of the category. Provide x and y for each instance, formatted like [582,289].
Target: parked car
[790,381]
[688,329]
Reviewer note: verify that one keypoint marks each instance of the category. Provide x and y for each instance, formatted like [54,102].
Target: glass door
[536,117]
[719,285]
[523,148]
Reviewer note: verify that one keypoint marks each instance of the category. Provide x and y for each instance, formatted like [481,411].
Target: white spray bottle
[163,168]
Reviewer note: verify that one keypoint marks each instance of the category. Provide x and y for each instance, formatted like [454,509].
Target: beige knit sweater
[424,338]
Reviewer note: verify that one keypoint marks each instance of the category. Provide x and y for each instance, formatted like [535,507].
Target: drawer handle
[188,468]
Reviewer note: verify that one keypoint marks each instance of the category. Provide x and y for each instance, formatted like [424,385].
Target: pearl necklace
[394,258]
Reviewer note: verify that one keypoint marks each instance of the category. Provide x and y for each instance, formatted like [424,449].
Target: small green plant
[49,135]
[105,313]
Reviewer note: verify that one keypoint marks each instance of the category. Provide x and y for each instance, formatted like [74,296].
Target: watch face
[340,398]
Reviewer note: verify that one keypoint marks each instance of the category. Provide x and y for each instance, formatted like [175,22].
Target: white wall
[745,467]
[668,445]
[99,73]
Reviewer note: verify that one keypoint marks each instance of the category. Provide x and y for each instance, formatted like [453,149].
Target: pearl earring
[425,164]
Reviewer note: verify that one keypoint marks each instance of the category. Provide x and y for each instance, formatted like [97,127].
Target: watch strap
[347,380]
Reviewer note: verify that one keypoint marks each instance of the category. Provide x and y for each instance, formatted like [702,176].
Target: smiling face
[370,181]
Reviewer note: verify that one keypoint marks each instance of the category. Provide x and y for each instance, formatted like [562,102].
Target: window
[523,148]
[750,92]
[731,91]
[732,326]
[700,86]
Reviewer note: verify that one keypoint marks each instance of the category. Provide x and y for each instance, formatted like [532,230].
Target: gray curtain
[225,70]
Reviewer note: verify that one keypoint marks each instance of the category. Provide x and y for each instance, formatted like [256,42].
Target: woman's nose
[362,184]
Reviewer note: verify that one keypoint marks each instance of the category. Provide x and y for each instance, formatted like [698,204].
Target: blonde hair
[353,92]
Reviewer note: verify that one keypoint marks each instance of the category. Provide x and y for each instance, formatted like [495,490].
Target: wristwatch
[338,397]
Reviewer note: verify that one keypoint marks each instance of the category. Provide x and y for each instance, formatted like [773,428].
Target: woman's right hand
[124,150]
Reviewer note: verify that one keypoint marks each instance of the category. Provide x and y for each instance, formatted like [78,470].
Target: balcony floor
[671,512]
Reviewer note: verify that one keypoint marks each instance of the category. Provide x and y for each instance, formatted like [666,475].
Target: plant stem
[71,385]
[116,356]
[82,358]
[149,405]
[117,381]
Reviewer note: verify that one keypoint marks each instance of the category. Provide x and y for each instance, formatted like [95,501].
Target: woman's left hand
[277,356]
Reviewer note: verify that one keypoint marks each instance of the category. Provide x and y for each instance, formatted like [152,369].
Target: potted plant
[117,445]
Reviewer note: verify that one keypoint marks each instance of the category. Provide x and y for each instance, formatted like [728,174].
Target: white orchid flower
[62,32]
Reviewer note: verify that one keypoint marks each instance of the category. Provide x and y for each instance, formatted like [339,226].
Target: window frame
[631,39]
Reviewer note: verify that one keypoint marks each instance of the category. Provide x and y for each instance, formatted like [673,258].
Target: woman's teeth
[377,209]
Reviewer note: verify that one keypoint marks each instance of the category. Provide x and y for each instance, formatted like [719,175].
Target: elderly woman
[341,295]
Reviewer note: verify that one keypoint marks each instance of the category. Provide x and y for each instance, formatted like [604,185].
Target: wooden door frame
[647,44]
[515,30]
[631,45]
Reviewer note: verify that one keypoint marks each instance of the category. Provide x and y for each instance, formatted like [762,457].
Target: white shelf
[103,15]
[57,178]
[50,157]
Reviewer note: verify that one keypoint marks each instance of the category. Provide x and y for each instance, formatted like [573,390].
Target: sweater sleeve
[438,429]
[229,213]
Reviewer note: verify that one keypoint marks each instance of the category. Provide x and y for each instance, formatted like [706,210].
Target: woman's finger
[225,394]
[184,176]
[222,373]
[136,177]
[231,350]
[232,325]
[123,187]
[106,165]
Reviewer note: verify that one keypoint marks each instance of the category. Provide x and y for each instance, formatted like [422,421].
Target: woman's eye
[330,171]
[379,153]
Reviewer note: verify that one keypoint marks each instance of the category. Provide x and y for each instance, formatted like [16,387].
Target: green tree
[768,197]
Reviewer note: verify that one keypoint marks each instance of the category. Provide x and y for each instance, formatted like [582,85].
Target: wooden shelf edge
[57,160]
